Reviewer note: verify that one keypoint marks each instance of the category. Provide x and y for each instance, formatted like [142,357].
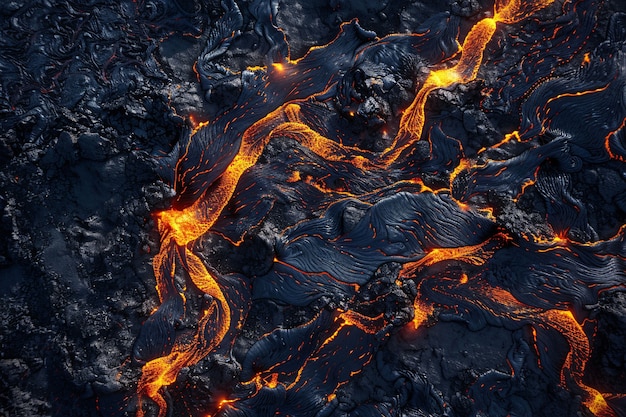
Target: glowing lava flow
[180,229]
[565,323]
[412,121]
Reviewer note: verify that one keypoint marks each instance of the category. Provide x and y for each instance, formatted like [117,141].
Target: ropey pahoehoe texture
[254,208]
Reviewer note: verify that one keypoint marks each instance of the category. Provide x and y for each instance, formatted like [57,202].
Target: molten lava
[419,230]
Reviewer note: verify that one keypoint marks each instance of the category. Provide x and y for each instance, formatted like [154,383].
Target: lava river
[362,243]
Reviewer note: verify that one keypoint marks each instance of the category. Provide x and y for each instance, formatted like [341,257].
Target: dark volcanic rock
[101,104]
[609,352]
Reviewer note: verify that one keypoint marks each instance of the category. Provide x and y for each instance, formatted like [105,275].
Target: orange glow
[528,183]
[163,371]
[196,124]
[256,68]
[183,226]
[577,94]
[421,312]
[607,143]
[463,165]
[352,318]
[473,255]
[466,70]
[179,229]
[515,10]
[596,403]
[367,324]
[465,253]
[278,66]
[566,324]
[222,403]
[510,136]
[322,146]
[294,177]
[412,121]
[273,380]
[507,138]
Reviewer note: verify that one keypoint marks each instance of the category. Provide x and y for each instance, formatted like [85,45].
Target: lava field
[248,208]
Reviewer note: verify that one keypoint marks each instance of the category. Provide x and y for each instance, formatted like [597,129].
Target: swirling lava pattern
[419,211]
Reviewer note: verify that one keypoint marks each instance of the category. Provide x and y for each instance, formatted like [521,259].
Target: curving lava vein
[299,371]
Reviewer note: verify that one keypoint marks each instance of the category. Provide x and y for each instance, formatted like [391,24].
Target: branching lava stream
[452,247]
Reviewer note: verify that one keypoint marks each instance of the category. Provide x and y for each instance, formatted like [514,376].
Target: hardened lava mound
[265,207]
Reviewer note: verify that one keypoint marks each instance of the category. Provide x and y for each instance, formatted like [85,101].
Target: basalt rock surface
[481,271]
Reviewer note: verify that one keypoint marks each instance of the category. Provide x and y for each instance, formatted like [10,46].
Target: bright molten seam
[412,121]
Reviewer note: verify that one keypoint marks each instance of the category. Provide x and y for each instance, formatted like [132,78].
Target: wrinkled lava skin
[422,217]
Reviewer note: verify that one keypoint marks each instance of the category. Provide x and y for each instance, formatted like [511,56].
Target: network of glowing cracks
[418,229]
